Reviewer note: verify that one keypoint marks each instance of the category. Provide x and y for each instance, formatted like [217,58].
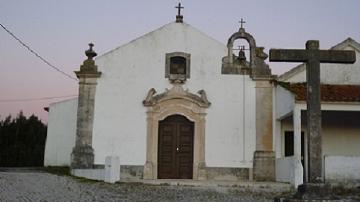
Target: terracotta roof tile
[329,93]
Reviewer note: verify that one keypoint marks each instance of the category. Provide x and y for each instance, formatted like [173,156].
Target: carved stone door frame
[175,101]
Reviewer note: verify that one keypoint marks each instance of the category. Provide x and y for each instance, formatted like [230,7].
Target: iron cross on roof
[179,17]
[241,23]
[179,7]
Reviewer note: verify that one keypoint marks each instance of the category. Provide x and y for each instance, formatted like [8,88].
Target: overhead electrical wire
[36,99]
[37,55]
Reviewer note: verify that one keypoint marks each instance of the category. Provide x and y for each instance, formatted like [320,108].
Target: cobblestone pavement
[41,186]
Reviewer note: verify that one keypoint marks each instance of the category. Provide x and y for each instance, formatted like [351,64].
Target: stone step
[246,185]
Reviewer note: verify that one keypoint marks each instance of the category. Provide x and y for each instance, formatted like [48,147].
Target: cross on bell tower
[179,17]
[241,23]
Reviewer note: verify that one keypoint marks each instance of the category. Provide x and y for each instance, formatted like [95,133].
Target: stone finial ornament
[203,96]
[261,67]
[90,53]
[149,97]
[88,66]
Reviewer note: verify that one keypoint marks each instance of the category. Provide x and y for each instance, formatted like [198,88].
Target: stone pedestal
[264,156]
[82,157]
[201,171]
[149,170]
[313,190]
[264,166]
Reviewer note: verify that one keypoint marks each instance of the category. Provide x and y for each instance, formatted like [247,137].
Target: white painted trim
[277,138]
[284,101]
[276,126]
[297,132]
[332,106]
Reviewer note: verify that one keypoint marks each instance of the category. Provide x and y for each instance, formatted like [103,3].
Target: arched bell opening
[241,34]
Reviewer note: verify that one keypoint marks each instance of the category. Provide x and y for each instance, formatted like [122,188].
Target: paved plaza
[34,185]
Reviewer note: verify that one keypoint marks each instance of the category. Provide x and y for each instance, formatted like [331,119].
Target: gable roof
[329,93]
[170,25]
[340,46]
[347,42]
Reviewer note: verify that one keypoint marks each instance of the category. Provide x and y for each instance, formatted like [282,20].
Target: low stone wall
[110,172]
[130,172]
[342,169]
[135,172]
[289,169]
[93,174]
[225,173]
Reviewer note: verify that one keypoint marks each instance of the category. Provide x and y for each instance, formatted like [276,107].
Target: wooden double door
[176,148]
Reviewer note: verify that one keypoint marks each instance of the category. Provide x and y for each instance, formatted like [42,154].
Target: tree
[22,141]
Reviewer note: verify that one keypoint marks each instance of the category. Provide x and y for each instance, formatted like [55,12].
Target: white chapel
[177,104]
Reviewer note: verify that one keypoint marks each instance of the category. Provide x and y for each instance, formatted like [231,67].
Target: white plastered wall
[61,133]
[283,105]
[334,73]
[129,71]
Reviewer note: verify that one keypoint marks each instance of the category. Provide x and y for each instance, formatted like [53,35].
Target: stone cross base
[82,157]
[264,166]
[314,192]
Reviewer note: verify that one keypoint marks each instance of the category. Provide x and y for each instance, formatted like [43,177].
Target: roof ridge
[137,38]
[291,72]
[348,41]
[158,29]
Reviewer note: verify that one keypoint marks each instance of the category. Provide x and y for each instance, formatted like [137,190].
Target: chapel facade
[189,108]
[177,104]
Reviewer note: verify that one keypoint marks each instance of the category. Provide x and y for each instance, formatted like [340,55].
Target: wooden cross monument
[312,57]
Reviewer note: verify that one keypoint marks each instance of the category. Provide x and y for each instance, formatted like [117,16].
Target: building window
[289,144]
[177,66]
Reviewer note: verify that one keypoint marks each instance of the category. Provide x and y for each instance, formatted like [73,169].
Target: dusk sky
[59,30]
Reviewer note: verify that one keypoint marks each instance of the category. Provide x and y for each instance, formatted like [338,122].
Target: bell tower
[260,73]
[255,67]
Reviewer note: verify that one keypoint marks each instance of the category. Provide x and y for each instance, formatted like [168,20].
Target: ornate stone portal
[175,101]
